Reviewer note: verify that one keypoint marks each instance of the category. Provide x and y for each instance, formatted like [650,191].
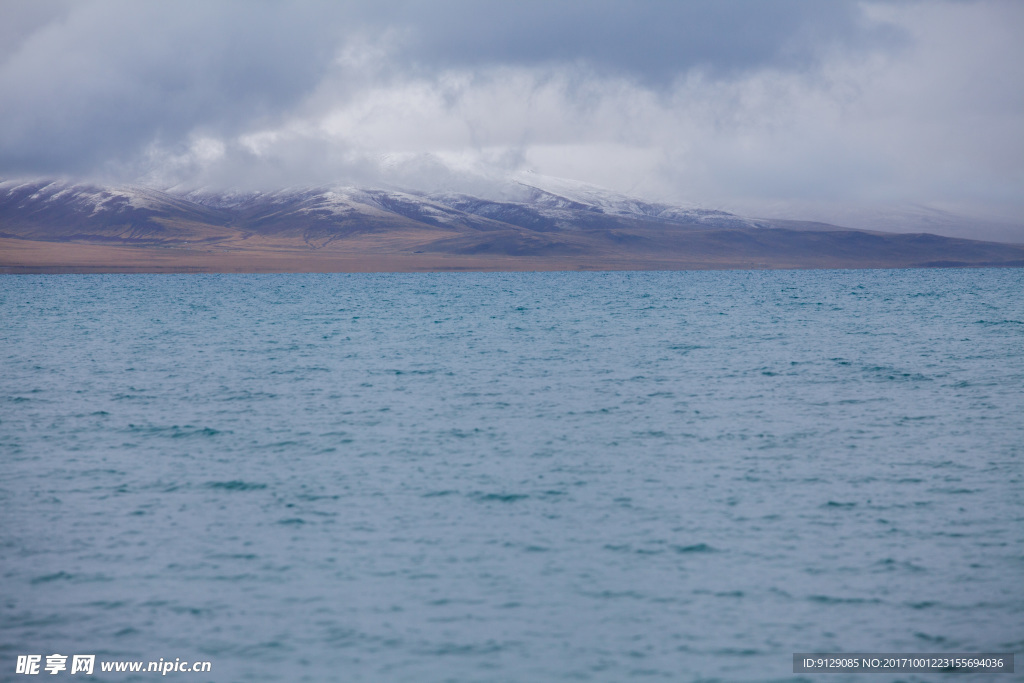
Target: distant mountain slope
[569,224]
[60,210]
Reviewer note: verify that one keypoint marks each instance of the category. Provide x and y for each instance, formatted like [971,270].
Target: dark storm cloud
[22,18]
[93,83]
[736,103]
[99,81]
[653,40]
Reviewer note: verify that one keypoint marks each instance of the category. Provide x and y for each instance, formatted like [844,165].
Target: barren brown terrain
[361,256]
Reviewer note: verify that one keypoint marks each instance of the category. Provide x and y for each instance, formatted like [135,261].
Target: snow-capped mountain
[538,203]
[63,209]
[554,195]
[60,209]
[530,216]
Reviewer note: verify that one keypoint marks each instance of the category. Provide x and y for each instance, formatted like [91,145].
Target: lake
[511,476]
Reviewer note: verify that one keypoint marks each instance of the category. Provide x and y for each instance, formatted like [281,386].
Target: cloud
[103,80]
[794,105]
[652,41]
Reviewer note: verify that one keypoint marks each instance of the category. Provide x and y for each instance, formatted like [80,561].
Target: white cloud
[931,119]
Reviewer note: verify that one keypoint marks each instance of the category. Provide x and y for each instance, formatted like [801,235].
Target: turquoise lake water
[511,477]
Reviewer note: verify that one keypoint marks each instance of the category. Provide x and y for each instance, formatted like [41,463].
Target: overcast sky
[755,105]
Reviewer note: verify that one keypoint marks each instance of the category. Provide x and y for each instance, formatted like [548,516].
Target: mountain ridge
[547,224]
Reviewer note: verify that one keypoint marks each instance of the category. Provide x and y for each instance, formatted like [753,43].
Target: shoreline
[30,257]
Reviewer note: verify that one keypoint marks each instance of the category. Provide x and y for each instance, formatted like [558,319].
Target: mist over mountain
[525,222]
[60,210]
[883,115]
